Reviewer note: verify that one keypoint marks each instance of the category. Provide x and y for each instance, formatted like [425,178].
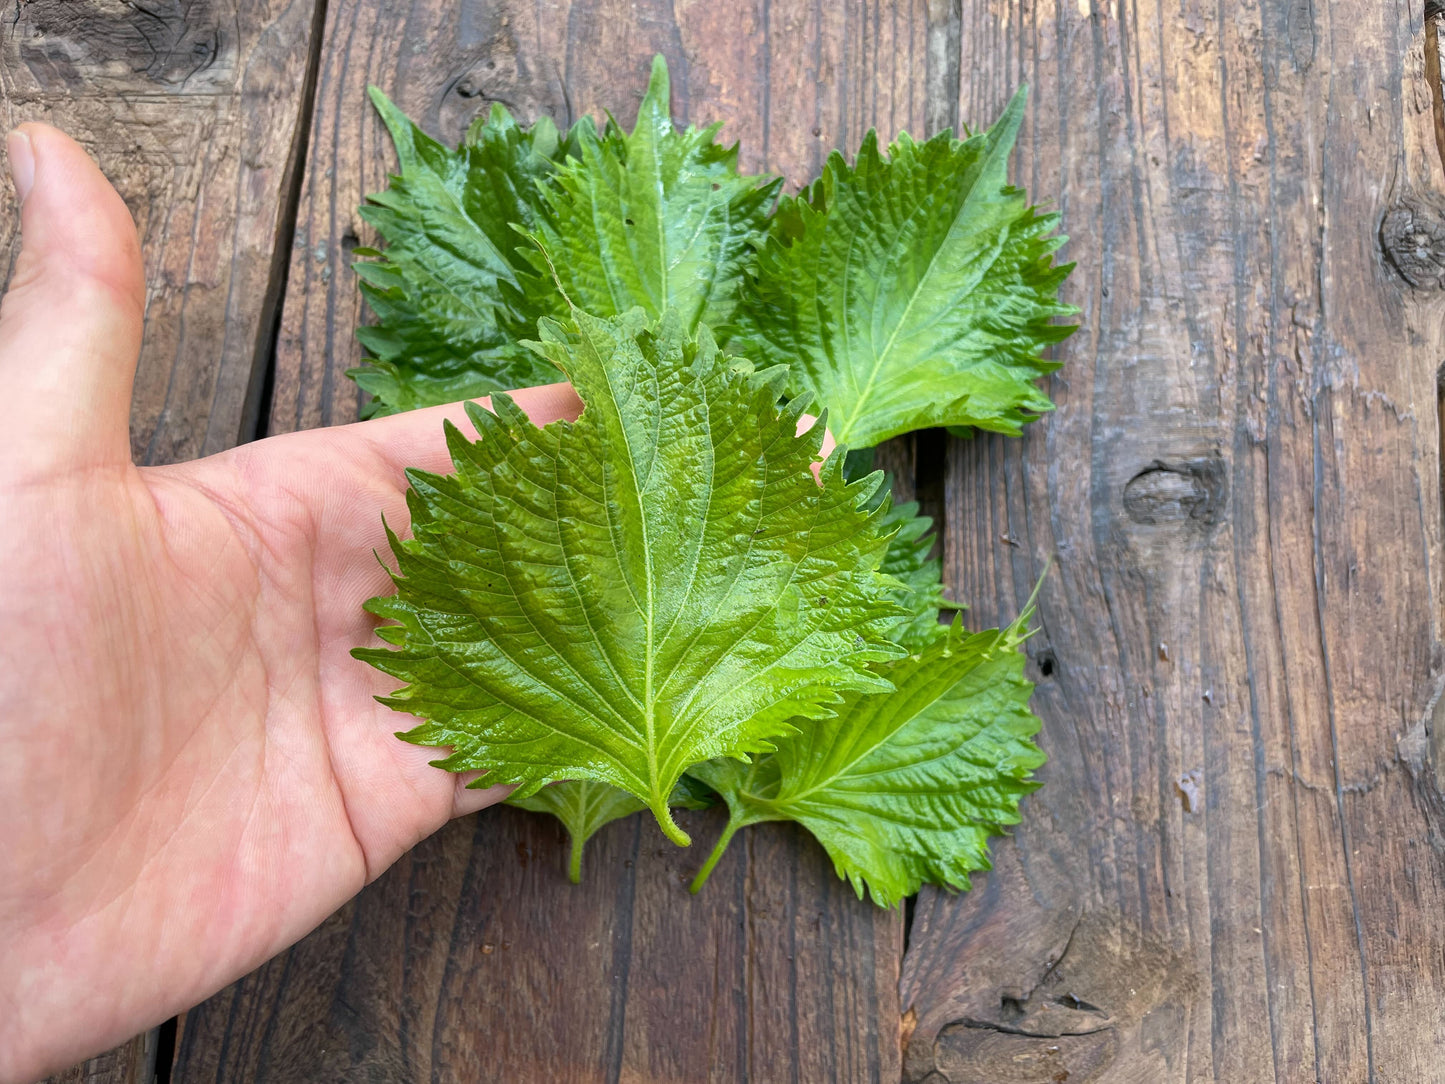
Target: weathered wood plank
[474,959]
[133,1063]
[193,111]
[1234,871]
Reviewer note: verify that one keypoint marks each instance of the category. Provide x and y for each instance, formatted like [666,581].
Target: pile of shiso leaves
[669,599]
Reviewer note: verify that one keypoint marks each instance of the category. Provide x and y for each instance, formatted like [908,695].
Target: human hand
[194,773]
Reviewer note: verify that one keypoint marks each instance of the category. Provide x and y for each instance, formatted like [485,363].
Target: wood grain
[193,111]
[1234,871]
[132,1063]
[776,972]
[473,959]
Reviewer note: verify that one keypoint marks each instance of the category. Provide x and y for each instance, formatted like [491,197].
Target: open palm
[194,770]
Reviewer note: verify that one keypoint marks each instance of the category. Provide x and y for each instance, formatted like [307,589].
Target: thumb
[70,324]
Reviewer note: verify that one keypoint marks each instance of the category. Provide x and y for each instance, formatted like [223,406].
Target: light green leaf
[659,219]
[659,583]
[585,806]
[453,292]
[911,291]
[905,786]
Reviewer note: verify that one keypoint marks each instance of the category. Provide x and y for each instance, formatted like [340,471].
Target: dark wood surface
[475,959]
[194,111]
[1234,872]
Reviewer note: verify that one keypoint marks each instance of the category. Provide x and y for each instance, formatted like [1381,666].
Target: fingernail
[22,163]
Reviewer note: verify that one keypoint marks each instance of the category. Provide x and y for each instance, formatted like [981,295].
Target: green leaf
[454,292]
[659,583]
[658,219]
[920,577]
[693,793]
[912,291]
[906,786]
[585,806]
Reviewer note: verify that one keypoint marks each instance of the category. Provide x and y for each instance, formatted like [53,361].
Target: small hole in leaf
[629,221]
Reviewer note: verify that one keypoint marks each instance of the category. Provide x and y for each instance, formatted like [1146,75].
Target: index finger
[414,439]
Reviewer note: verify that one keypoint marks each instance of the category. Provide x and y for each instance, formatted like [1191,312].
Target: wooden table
[1236,869]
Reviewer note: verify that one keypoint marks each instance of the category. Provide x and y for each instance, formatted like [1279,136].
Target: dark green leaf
[659,219]
[920,576]
[454,293]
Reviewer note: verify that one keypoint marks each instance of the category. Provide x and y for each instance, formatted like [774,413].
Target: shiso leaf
[904,786]
[912,290]
[453,293]
[658,219]
[659,583]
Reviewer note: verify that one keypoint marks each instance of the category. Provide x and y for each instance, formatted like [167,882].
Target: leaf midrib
[881,358]
[648,707]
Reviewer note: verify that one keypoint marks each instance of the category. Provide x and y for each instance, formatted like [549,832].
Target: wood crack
[1046,1033]
[256,413]
[1433,10]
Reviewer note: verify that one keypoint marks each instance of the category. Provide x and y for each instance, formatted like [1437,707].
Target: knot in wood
[1412,237]
[498,78]
[1189,491]
[73,43]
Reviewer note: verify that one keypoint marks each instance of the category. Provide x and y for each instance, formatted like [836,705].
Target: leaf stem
[574,867]
[734,823]
[669,826]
